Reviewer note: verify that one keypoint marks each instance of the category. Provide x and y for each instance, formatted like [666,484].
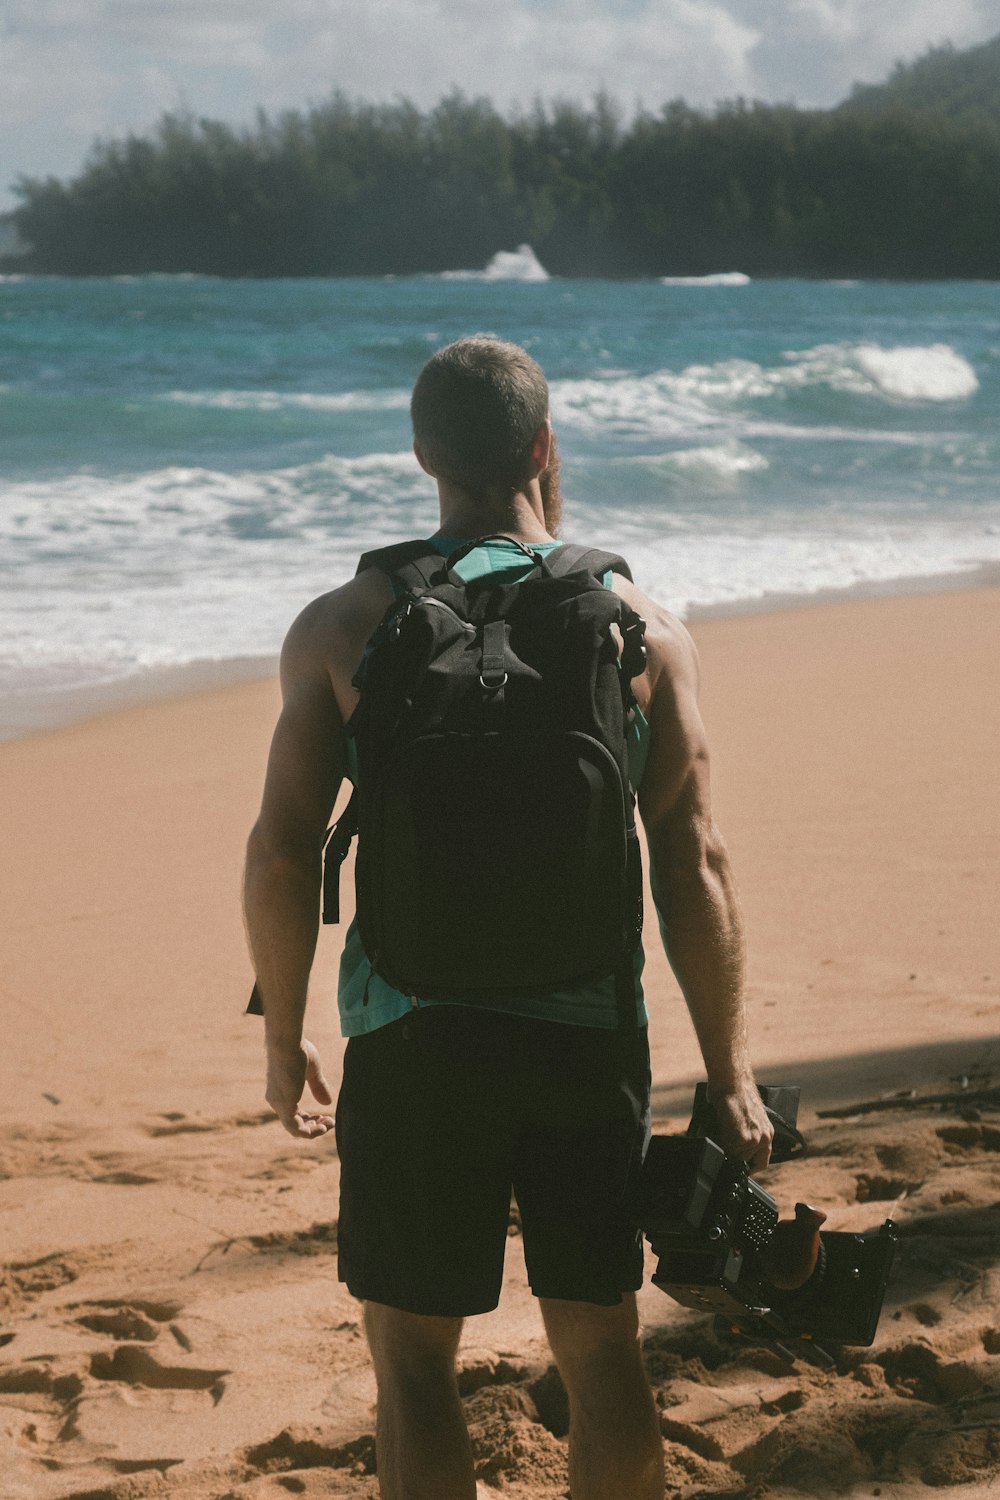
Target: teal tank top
[366,1001]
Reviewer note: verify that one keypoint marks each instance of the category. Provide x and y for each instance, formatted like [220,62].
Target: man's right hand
[288,1072]
[745,1132]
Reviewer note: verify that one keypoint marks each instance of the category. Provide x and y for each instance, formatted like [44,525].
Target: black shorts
[445,1112]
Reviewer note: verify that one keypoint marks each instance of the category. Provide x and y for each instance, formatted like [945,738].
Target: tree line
[352,188]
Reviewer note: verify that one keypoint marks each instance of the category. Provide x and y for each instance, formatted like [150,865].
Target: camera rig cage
[723,1249]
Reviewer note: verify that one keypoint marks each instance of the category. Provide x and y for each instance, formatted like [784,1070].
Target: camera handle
[781,1105]
[795,1249]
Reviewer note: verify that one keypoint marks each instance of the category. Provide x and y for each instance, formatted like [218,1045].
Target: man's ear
[418,454]
[541,449]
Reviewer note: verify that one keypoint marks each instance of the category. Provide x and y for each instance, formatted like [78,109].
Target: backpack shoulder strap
[411,564]
[571,558]
[574,559]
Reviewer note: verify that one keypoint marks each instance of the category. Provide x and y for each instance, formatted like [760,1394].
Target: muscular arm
[693,887]
[284,855]
[284,864]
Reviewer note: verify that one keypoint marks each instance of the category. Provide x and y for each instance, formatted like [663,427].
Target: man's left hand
[288,1072]
[745,1132]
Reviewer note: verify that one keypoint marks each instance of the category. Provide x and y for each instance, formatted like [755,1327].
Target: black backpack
[497,849]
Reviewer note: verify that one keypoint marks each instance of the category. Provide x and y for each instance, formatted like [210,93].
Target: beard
[548,482]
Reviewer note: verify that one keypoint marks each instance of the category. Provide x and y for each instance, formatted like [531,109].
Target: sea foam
[724,461]
[668,403]
[398,400]
[181,564]
[933,373]
[718,278]
[521,264]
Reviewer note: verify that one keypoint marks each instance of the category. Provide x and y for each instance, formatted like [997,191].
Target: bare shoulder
[675,782]
[353,608]
[671,654]
[327,639]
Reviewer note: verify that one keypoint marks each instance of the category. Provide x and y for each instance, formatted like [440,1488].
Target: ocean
[185,461]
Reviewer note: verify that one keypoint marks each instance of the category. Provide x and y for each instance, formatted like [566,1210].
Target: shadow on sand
[830,1082]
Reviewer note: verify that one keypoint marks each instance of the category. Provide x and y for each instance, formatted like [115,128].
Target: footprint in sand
[70,1406]
[873,1187]
[319,1239]
[305,1448]
[969,1138]
[138,1320]
[179,1124]
[125,1324]
[23,1280]
[137,1366]
[141,1321]
[124,1179]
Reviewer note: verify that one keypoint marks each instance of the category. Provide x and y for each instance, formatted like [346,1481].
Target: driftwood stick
[971,1097]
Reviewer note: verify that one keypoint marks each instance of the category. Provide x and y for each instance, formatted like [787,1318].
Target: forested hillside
[882,187]
[964,86]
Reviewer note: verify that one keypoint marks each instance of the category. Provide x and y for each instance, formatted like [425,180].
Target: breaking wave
[521,264]
[932,373]
[173,565]
[725,461]
[668,403]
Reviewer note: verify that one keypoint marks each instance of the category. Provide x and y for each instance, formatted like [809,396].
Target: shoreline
[11,272]
[39,711]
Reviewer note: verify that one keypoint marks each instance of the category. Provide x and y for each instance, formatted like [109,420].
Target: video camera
[723,1249]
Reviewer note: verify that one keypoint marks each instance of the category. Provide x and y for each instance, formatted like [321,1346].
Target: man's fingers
[318,1086]
[761,1157]
[302,1126]
[744,1128]
[288,1075]
[755,1152]
[312,1125]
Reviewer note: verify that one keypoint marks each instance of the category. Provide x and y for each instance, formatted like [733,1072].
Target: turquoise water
[184,462]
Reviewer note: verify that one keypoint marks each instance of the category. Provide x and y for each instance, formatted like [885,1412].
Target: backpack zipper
[466,625]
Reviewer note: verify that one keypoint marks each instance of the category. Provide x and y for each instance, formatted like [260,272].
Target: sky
[75,70]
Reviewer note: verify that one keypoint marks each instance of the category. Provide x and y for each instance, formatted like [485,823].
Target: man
[443,1107]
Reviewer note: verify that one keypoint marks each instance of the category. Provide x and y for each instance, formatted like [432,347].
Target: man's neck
[520,517]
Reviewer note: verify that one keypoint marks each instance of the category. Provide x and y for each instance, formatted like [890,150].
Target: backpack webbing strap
[572,558]
[413,564]
[335,850]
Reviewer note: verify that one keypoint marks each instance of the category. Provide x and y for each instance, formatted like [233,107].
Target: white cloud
[73,69]
[816,49]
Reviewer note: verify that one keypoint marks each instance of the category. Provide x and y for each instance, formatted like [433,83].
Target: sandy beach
[170,1319]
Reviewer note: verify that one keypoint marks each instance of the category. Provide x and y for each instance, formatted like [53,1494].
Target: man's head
[477,408]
